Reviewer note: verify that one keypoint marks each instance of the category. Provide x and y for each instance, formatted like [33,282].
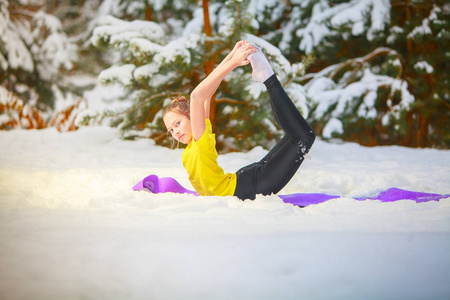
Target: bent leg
[277,168]
[286,113]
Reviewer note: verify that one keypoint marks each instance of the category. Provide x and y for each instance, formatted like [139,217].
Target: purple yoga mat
[158,185]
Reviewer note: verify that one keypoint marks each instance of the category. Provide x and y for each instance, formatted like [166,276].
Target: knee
[305,141]
[311,138]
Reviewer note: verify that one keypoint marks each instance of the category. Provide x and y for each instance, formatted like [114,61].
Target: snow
[255,89]
[18,54]
[423,65]
[333,126]
[120,32]
[195,25]
[353,13]
[51,48]
[279,63]
[121,74]
[324,92]
[289,27]
[4,16]
[174,49]
[72,228]
[37,43]
[257,8]
[424,28]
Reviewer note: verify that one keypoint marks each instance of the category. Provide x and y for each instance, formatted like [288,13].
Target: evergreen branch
[161,136]
[333,70]
[305,64]
[135,108]
[359,61]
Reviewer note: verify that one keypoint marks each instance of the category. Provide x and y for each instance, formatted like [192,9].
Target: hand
[236,46]
[240,52]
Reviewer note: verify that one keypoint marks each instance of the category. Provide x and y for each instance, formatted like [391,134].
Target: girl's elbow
[194,97]
[197,99]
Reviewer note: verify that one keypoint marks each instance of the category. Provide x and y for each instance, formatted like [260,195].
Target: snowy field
[72,228]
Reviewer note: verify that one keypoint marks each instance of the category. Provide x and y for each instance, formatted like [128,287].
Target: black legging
[275,170]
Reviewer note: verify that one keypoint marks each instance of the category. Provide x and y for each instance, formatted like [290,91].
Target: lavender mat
[158,185]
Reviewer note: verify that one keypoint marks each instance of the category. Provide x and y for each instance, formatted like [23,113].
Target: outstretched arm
[201,96]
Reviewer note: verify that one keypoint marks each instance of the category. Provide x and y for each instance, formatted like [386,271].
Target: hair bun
[179,99]
[180,105]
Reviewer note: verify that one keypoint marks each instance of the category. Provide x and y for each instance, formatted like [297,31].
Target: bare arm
[201,96]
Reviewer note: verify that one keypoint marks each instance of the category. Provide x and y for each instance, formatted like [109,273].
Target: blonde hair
[180,105]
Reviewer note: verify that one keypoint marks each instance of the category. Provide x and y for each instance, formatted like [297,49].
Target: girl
[189,124]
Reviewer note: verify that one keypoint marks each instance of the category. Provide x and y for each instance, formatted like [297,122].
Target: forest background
[371,71]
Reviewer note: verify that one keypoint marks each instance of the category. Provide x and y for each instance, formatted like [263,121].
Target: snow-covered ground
[72,228]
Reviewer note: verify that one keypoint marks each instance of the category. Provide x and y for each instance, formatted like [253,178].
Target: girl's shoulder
[207,139]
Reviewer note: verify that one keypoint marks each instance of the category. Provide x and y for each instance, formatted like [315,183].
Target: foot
[261,67]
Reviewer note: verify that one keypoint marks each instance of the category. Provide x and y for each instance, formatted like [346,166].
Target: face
[179,126]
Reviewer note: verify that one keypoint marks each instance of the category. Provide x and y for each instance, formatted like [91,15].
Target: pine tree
[158,62]
[382,70]
[371,60]
[33,50]
[363,85]
[420,33]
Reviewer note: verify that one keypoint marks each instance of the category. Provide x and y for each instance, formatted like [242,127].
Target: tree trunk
[209,65]
[148,12]
[422,132]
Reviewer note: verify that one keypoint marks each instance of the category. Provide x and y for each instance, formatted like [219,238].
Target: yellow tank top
[200,161]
